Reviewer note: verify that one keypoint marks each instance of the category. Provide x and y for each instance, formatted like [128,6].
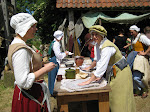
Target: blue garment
[52,75]
[78,40]
[123,53]
[131,57]
[137,82]
[92,59]
[137,75]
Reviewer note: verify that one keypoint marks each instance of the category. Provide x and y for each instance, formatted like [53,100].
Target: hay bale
[9,79]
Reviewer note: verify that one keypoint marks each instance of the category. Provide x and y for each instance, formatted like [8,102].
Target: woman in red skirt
[31,93]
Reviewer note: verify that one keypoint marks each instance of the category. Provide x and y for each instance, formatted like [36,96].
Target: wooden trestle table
[64,97]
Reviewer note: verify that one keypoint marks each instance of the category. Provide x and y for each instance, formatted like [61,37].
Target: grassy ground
[6,94]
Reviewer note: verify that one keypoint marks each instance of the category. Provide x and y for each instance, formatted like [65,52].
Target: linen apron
[121,97]
[141,63]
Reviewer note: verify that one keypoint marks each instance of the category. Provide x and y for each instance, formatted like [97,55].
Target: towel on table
[71,85]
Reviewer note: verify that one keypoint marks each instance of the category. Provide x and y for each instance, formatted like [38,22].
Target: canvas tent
[125,18]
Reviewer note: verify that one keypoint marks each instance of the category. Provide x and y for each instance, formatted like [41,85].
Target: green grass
[6,95]
[2,86]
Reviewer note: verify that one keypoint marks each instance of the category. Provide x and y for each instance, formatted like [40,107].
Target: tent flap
[125,18]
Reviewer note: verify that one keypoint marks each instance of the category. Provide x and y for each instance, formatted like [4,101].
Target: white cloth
[102,57]
[58,34]
[134,27]
[59,55]
[21,65]
[142,38]
[141,64]
[21,23]
[71,85]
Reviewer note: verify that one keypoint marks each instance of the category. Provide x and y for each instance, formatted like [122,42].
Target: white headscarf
[58,34]
[134,27]
[21,23]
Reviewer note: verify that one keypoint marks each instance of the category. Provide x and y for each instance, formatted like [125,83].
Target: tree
[27,5]
[49,18]
[45,12]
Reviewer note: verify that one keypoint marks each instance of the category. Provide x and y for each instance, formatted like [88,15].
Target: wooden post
[71,23]
[6,23]
[13,2]
[71,27]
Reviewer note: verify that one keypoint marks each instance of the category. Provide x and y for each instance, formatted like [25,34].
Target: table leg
[84,106]
[103,102]
[63,108]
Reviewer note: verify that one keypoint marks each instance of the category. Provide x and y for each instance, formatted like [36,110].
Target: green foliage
[35,41]
[45,12]
[27,5]
[49,18]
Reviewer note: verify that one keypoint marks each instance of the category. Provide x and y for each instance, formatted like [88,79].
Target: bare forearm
[93,64]
[47,67]
[88,81]
[147,51]
[93,77]
[128,39]
[40,73]
[127,46]
[114,40]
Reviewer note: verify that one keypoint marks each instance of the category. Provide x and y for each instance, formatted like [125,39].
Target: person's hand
[84,83]
[67,52]
[125,47]
[93,78]
[97,79]
[86,68]
[142,53]
[49,66]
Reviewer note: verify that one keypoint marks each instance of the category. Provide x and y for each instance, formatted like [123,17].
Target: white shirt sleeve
[95,58]
[145,40]
[56,48]
[102,63]
[21,65]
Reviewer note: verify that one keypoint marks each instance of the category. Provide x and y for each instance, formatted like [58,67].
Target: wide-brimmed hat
[21,23]
[98,28]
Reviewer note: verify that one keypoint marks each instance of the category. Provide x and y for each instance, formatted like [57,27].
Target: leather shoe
[144,95]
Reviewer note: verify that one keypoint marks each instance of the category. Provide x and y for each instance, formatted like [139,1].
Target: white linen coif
[58,34]
[134,27]
[21,23]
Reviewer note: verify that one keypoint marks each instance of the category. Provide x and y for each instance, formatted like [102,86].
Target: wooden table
[64,97]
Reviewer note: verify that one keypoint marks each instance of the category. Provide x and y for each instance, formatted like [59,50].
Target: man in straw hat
[108,57]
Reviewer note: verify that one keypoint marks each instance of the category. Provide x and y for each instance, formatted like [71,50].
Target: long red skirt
[22,103]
